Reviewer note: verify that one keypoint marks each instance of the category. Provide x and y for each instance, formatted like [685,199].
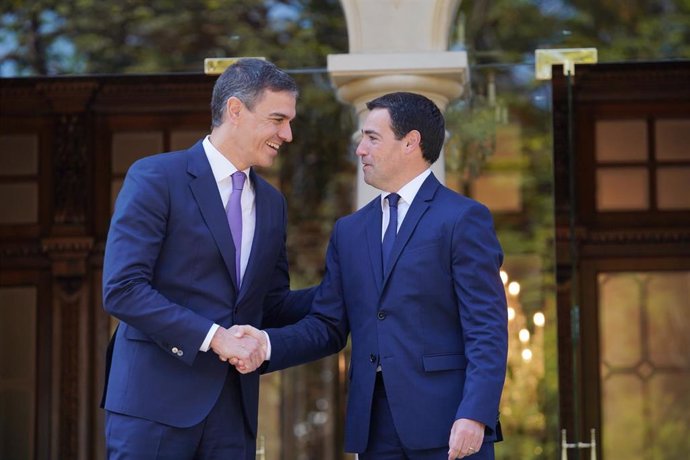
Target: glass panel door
[644,364]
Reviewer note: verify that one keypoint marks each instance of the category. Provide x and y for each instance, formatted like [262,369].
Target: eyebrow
[370,132]
[278,115]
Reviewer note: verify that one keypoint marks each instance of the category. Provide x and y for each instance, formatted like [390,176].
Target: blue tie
[391,230]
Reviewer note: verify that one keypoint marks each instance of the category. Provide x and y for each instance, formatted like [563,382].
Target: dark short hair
[410,111]
[247,79]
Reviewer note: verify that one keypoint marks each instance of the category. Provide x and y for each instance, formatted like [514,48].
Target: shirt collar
[408,191]
[221,167]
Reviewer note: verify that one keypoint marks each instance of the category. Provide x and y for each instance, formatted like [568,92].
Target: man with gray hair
[196,245]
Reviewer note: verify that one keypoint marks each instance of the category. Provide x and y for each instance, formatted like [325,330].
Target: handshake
[244,347]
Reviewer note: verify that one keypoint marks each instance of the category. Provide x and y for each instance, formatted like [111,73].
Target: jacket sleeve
[476,262]
[137,232]
[323,331]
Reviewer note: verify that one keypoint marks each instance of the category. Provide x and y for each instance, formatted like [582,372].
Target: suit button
[381,315]
[175,350]
[372,358]
[180,353]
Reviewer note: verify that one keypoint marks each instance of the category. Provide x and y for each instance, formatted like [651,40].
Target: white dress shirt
[407,194]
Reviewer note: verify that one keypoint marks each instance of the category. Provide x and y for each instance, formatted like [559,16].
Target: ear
[233,107]
[412,140]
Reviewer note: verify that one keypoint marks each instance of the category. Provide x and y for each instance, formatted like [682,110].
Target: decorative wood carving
[70,166]
[155,94]
[23,249]
[625,236]
[70,345]
[68,255]
[70,95]
[644,82]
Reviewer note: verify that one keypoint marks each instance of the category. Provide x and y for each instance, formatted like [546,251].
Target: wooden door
[622,182]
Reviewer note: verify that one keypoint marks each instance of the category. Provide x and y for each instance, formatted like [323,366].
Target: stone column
[397,45]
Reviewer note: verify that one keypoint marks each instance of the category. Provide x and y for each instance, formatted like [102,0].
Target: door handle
[591,445]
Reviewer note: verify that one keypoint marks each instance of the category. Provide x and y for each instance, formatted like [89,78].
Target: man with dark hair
[196,245]
[414,277]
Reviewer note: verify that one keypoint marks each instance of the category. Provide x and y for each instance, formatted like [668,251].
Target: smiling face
[385,159]
[259,132]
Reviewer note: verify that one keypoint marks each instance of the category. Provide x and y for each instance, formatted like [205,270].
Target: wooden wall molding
[645,81]
[625,236]
[106,94]
[68,96]
[68,255]
[143,95]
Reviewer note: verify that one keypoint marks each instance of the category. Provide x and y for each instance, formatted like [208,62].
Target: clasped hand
[244,347]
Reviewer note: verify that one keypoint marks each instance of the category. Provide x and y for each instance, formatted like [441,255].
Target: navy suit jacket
[436,322]
[169,274]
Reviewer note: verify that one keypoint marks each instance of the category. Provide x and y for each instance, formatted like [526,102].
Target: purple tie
[235,217]
[391,230]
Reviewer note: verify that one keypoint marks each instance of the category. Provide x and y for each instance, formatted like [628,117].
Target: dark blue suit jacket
[169,274]
[436,321]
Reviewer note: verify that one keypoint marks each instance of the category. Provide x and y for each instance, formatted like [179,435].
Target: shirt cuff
[206,344]
[268,346]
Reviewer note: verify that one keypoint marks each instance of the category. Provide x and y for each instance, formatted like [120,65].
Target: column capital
[375,26]
[438,75]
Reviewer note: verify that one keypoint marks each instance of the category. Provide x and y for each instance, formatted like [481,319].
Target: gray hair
[247,79]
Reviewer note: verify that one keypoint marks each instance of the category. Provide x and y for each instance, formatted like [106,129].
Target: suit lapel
[419,206]
[263,216]
[373,234]
[205,192]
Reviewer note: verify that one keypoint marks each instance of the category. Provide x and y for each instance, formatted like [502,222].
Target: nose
[360,149]
[285,133]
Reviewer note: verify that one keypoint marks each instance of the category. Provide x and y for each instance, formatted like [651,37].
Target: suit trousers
[384,442]
[223,434]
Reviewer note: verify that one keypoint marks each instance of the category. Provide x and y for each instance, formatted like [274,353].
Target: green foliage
[469,147]
[162,35]
[316,175]
[29,33]
[510,31]
[142,36]
[631,30]
[504,30]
